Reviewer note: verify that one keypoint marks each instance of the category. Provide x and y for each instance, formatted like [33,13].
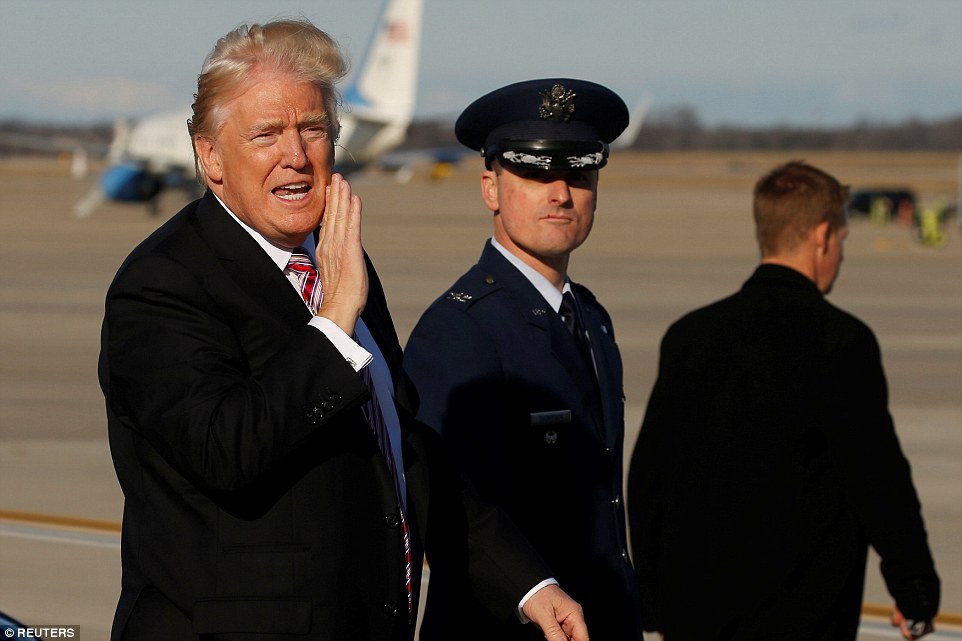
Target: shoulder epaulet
[470,288]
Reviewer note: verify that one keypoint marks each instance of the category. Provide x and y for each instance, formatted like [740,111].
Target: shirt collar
[548,291]
[280,255]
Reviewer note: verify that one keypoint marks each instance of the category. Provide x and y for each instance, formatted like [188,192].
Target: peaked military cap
[552,123]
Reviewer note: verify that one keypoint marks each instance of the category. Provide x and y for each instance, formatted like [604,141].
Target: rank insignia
[460,297]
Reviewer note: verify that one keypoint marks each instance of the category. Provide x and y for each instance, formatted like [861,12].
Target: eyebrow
[310,120]
[315,119]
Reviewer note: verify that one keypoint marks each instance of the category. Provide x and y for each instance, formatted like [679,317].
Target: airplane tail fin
[386,84]
[380,102]
[630,135]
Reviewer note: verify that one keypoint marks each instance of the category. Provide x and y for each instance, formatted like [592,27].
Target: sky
[820,63]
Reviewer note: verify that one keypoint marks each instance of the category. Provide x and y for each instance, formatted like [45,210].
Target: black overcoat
[766,464]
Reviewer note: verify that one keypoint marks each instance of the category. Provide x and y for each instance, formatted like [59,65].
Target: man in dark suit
[529,406]
[767,462]
[276,486]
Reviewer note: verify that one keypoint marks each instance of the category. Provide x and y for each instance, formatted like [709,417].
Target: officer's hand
[340,257]
[557,615]
[911,629]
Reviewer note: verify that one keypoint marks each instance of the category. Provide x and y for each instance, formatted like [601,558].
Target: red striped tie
[303,269]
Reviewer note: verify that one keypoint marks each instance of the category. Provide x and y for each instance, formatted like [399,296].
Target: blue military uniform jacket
[501,378]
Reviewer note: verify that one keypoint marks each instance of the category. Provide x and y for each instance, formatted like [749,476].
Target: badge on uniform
[555,417]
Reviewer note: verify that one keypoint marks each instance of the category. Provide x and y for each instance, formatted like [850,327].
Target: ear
[823,237]
[209,159]
[489,189]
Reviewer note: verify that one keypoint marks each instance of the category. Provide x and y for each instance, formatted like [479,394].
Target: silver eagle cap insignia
[557,104]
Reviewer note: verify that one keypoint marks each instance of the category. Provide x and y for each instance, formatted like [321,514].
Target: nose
[294,152]
[559,192]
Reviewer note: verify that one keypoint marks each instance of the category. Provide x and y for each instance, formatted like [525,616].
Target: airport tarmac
[673,232]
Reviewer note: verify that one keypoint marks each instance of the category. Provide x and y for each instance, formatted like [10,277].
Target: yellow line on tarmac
[55,520]
[885,612]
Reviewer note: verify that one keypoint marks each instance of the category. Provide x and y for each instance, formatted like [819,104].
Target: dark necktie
[312,292]
[572,320]
[568,314]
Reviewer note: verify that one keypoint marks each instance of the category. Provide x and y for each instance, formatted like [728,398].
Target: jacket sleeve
[472,543]
[457,374]
[457,377]
[221,409]
[876,475]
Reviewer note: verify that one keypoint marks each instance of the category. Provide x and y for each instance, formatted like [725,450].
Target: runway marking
[76,537]
[885,612]
[54,528]
[58,528]
[57,520]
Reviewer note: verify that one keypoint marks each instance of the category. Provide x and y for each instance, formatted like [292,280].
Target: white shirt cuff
[353,353]
[524,599]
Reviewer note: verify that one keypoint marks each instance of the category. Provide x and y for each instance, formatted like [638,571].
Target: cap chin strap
[548,154]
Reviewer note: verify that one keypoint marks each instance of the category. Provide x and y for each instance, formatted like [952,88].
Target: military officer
[516,365]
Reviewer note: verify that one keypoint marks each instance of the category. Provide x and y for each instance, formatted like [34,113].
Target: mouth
[292,192]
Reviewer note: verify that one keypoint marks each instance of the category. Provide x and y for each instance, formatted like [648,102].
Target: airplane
[156,154]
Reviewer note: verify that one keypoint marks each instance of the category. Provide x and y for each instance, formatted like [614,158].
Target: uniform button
[489,280]
[392,520]
[389,609]
[616,500]
[624,556]
[551,437]
[327,405]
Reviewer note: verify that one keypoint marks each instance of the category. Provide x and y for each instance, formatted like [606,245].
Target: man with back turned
[767,461]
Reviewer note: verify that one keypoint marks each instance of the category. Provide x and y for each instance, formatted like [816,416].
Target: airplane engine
[130,183]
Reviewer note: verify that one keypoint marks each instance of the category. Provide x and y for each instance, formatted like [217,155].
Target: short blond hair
[293,46]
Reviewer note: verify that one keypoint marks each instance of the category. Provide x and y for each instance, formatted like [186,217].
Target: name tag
[550,418]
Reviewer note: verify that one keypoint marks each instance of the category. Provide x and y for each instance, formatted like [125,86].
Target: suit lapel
[244,260]
[253,270]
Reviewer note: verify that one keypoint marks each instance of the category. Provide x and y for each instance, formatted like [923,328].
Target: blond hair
[292,46]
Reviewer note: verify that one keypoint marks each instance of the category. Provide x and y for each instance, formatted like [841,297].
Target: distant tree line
[38,139]
[676,128]
[679,128]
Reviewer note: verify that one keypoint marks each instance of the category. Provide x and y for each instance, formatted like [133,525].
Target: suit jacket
[501,378]
[256,498]
[766,464]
